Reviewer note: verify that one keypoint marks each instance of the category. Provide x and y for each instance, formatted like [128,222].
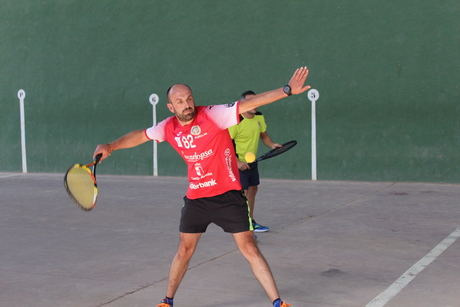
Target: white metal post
[154,99]
[22,96]
[313,95]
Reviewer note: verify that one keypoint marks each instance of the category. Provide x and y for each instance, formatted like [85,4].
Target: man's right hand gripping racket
[80,183]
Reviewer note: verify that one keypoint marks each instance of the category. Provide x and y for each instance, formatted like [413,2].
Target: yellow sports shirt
[246,135]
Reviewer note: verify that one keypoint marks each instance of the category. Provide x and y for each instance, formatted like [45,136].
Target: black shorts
[228,211]
[250,177]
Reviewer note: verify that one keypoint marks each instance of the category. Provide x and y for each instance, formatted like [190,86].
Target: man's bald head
[179,87]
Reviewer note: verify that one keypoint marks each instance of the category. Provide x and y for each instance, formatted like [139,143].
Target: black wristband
[287,90]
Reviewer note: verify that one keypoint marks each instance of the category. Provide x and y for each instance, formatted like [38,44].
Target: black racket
[80,183]
[277,151]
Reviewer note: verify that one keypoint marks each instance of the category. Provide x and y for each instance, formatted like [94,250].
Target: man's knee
[185,252]
[250,250]
[186,248]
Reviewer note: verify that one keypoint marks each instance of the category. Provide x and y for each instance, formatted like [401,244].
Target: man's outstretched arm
[297,84]
[129,140]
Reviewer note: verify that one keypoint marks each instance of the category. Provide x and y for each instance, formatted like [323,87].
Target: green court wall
[388,73]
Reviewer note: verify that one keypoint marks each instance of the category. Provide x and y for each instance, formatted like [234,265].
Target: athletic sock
[277,302]
[168,300]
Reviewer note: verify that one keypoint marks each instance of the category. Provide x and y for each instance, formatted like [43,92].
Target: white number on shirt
[185,141]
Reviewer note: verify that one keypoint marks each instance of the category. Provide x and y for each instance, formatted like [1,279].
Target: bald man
[199,135]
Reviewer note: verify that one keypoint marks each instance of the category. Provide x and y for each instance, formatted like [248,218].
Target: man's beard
[186,117]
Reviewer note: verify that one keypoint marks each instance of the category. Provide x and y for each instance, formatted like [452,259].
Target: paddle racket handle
[98,158]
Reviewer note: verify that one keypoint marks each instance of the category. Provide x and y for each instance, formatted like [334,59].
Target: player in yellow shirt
[246,136]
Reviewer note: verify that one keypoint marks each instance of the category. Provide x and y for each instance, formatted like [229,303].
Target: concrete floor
[331,244]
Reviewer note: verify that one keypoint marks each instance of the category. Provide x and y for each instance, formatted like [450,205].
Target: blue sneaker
[260,228]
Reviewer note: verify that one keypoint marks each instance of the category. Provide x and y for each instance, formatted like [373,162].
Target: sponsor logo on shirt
[206,184]
[198,169]
[229,105]
[228,162]
[198,157]
[201,135]
[195,130]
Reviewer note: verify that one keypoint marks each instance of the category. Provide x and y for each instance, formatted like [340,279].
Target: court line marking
[9,175]
[383,298]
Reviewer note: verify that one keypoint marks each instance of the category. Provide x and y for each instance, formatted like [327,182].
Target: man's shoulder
[210,109]
[167,123]
[217,106]
[168,119]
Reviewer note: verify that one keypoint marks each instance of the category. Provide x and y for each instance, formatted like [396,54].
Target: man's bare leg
[179,265]
[248,247]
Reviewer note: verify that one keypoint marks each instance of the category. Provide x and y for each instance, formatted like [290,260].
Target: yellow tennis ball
[250,157]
